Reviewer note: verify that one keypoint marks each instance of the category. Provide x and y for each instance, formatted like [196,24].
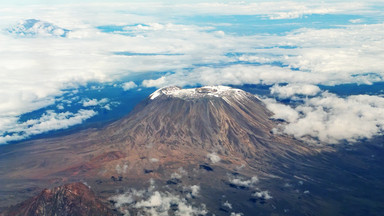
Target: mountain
[199,151]
[69,199]
[212,127]
[172,126]
[34,27]
[188,124]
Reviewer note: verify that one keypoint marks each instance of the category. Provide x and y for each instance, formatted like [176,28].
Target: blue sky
[65,63]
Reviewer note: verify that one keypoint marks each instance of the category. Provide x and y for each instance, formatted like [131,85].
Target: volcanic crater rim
[205,91]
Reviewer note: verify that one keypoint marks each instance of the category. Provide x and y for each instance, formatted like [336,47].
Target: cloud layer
[157,203]
[329,118]
[46,49]
[318,56]
[47,122]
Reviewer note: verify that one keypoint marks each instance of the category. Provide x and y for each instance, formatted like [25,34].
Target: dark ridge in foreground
[70,199]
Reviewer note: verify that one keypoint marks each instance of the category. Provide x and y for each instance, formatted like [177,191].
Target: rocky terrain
[202,151]
[69,199]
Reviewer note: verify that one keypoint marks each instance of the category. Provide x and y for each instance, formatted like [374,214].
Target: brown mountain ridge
[67,200]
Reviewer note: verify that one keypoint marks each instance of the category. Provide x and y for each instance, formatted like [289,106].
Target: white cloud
[94,102]
[60,106]
[294,89]
[35,70]
[127,198]
[271,9]
[195,190]
[129,85]
[157,203]
[345,53]
[155,200]
[213,157]
[235,74]
[262,194]
[331,119]
[176,175]
[227,204]
[236,214]
[121,169]
[318,56]
[160,204]
[179,173]
[155,83]
[102,103]
[239,181]
[47,122]
[281,111]
[191,191]
[300,12]
[356,20]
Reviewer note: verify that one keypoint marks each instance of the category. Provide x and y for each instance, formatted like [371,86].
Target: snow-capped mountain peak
[205,91]
[34,27]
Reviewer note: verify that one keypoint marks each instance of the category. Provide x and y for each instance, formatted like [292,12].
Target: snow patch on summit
[206,91]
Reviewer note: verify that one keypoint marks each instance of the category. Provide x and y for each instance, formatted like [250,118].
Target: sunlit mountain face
[193,108]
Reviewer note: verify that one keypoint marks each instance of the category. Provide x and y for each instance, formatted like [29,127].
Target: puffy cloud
[262,194]
[227,204]
[129,85]
[160,204]
[213,157]
[294,89]
[298,14]
[47,122]
[121,169]
[179,173]
[127,198]
[235,74]
[94,102]
[155,200]
[160,82]
[195,190]
[60,106]
[331,119]
[344,53]
[236,214]
[239,181]
[281,111]
[102,103]
[316,56]
[152,202]
[191,191]
[176,175]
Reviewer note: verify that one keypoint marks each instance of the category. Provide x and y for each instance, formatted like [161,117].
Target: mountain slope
[172,128]
[220,119]
[198,150]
